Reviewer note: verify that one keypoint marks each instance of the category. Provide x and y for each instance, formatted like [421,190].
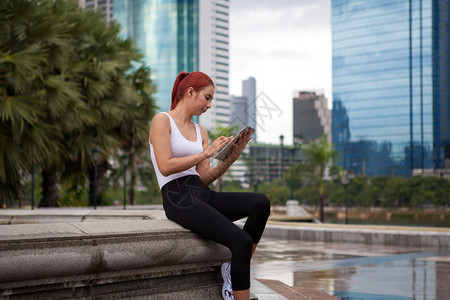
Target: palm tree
[66,85]
[132,132]
[320,154]
[27,90]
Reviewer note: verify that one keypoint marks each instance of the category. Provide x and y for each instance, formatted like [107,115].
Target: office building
[312,118]
[243,112]
[249,91]
[267,163]
[391,85]
[243,108]
[181,35]
[106,7]
[238,108]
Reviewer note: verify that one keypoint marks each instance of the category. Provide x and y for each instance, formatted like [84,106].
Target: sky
[286,46]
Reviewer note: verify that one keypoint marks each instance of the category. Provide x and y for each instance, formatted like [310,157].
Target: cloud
[286,46]
[283,14]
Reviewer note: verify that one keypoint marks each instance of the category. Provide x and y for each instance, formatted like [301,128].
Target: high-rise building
[312,118]
[239,115]
[182,35]
[391,85]
[214,57]
[106,7]
[267,163]
[243,108]
[243,112]
[249,91]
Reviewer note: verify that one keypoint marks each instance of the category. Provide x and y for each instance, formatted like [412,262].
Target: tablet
[225,152]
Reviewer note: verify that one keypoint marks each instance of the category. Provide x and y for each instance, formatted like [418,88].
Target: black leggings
[190,203]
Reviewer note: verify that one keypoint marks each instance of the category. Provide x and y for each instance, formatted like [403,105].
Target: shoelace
[228,293]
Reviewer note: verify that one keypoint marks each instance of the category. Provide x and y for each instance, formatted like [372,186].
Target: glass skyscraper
[167,33]
[181,35]
[391,85]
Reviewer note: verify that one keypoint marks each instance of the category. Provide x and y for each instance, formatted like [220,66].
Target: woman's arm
[160,139]
[208,174]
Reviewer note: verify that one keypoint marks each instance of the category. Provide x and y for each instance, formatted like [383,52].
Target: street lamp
[125,161]
[32,185]
[96,157]
[292,151]
[349,176]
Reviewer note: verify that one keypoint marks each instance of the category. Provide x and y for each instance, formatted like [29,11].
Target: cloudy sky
[286,46]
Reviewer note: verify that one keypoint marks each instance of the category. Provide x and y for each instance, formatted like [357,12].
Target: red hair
[197,80]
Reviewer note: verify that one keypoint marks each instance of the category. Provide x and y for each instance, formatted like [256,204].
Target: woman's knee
[263,205]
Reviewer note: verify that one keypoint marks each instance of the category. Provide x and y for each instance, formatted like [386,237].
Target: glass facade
[167,34]
[391,85]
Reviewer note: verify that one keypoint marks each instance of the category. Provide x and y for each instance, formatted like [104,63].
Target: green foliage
[308,194]
[379,191]
[320,154]
[72,196]
[68,84]
[334,193]
[222,131]
[232,186]
[358,185]
[277,192]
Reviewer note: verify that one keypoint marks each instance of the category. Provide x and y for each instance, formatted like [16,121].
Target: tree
[68,84]
[320,154]
[30,91]
[396,193]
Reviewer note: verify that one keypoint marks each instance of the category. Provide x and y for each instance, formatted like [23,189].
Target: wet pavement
[355,271]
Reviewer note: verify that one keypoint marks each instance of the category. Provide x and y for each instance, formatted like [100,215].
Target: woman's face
[203,99]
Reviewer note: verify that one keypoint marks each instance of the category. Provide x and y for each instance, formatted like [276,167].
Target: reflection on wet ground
[356,271]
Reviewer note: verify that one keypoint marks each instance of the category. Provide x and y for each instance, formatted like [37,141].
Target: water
[356,271]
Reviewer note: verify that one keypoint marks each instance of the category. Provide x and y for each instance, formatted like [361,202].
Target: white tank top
[180,147]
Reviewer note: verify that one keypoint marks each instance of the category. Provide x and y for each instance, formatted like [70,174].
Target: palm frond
[18,110]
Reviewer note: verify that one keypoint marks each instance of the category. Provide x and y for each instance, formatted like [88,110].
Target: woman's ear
[190,91]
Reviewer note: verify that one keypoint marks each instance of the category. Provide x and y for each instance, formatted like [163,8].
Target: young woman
[180,154]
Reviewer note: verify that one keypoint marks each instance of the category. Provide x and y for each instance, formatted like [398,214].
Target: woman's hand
[242,142]
[215,146]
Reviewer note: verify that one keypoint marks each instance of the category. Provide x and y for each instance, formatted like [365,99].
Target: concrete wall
[112,259]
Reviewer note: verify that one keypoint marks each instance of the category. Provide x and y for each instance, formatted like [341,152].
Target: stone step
[296,292]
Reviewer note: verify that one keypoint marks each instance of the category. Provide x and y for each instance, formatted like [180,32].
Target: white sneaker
[227,290]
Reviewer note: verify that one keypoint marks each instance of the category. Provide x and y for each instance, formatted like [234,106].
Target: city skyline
[265,40]
[286,48]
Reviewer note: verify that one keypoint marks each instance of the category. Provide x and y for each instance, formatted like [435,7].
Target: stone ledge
[387,235]
[111,260]
[61,215]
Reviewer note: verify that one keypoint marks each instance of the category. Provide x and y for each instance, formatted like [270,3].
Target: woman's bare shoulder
[160,125]
[161,117]
[203,130]
[160,120]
